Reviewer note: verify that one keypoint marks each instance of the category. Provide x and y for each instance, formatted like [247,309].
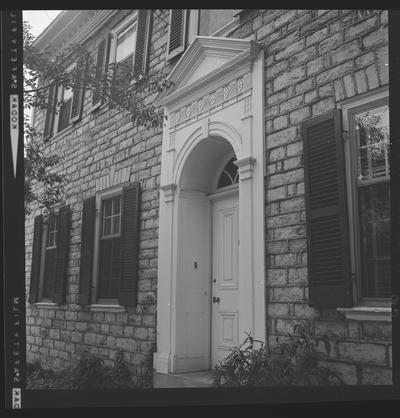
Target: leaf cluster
[377,136]
[120,86]
[89,373]
[40,170]
[290,363]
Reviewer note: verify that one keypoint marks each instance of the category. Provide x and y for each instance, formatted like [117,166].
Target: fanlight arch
[229,175]
[216,129]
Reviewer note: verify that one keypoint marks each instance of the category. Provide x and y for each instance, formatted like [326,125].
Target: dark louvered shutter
[60,279]
[87,242]
[103,54]
[36,256]
[177,32]
[78,93]
[142,41]
[130,245]
[50,112]
[326,212]
[97,92]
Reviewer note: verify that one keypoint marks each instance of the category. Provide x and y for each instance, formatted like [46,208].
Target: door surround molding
[209,113]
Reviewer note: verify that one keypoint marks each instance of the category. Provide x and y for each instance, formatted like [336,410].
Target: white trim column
[162,358]
[246,271]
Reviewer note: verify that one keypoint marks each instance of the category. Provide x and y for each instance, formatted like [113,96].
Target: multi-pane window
[50,257]
[372,174]
[125,44]
[65,108]
[229,175]
[110,248]
[210,20]
[125,50]
[64,104]
[186,24]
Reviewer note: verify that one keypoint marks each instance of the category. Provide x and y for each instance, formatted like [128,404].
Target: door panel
[225,286]
[193,309]
[228,329]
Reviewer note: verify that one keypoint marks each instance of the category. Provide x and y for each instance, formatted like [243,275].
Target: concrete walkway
[182,380]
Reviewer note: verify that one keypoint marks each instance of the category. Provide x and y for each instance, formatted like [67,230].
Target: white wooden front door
[225,280]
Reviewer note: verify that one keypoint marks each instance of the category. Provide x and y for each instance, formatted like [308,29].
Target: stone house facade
[260,203]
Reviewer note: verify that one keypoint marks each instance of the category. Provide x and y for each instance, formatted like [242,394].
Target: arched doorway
[215,114]
[207,256]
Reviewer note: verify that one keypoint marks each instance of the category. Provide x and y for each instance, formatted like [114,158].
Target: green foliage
[121,89]
[39,378]
[293,362]
[39,171]
[145,369]
[377,135]
[89,373]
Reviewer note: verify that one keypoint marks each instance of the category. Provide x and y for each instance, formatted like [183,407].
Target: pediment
[206,58]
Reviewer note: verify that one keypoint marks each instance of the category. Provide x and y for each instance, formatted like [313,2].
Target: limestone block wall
[313,60]
[57,336]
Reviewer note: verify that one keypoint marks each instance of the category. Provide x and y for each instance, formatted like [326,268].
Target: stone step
[182,380]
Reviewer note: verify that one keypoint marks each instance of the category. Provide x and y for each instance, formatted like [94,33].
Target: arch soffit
[215,128]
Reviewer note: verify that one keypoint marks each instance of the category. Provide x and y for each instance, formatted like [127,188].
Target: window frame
[224,30]
[112,235]
[222,171]
[350,108]
[192,26]
[44,247]
[128,21]
[59,96]
[98,229]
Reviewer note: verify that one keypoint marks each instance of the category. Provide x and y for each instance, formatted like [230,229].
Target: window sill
[60,134]
[47,305]
[227,29]
[99,107]
[367,313]
[105,307]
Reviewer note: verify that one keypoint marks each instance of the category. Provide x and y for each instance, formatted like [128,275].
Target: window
[124,51]
[50,257]
[65,108]
[369,136]
[185,25]
[109,247]
[229,175]
[129,45]
[64,104]
[210,21]
[348,203]
[126,47]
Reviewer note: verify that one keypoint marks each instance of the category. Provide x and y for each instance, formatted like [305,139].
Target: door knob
[215,299]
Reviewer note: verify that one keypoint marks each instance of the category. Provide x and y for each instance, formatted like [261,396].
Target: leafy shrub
[32,368]
[145,369]
[39,378]
[89,373]
[293,362]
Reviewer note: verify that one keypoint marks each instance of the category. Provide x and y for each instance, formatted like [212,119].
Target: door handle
[215,299]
